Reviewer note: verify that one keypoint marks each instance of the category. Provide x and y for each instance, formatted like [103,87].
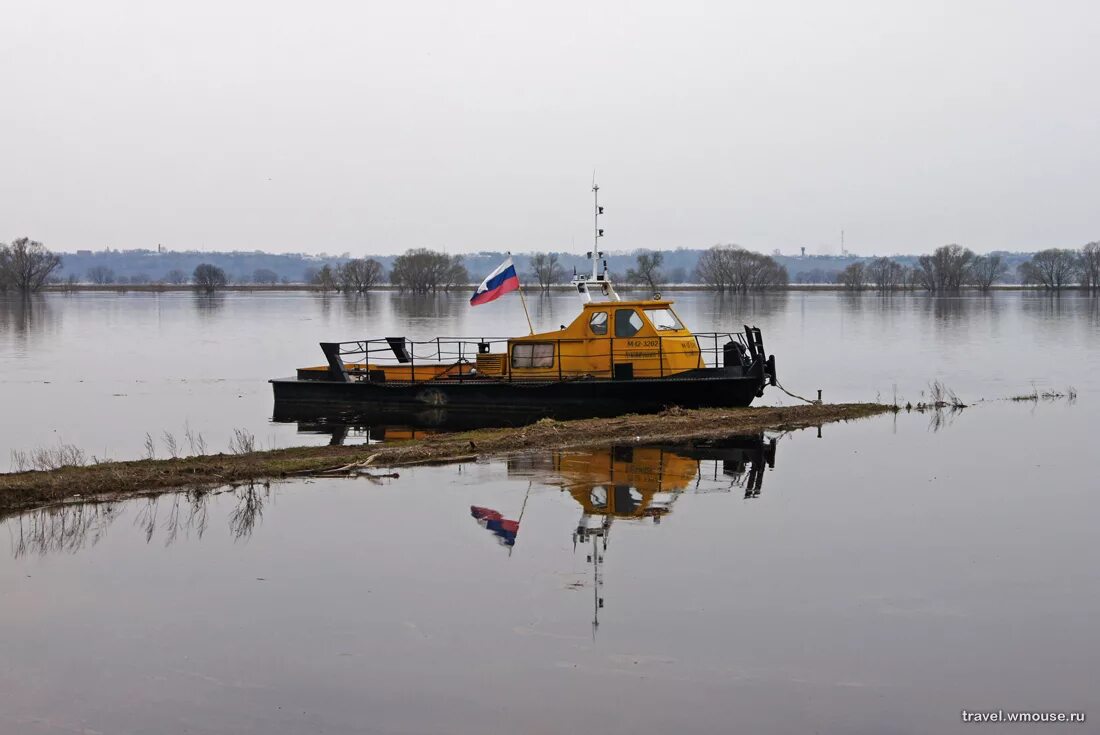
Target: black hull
[503,402]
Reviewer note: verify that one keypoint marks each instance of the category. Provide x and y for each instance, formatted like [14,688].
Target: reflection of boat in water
[643,482]
[358,432]
[616,356]
[639,483]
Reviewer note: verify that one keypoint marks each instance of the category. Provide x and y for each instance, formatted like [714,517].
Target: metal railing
[455,358]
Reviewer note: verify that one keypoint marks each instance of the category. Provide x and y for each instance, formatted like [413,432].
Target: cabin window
[533,355]
[664,319]
[598,322]
[627,323]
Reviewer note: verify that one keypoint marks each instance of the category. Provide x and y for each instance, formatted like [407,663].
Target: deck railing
[455,358]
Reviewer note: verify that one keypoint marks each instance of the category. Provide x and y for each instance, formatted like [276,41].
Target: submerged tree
[359,275]
[647,270]
[101,275]
[987,270]
[886,274]
[422,270]
[946,269]
[546,269]
[209,278]
[26,264]
[1052,269]
[325,278]
[853,277]
[728,267]
[1090,266]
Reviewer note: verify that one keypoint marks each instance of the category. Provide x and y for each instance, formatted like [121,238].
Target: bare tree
[101,275]
[756,271]
[265,276]
[886,274]
[728,267]
[209,278]
[546,269]
[1090,266]
[421,270]
[853,277]
[26,264]
[325,278]
[359,275]
[946,269]
[713,267]
[647,270]
[987,270]
[454,274]
[175,277]
[1052,269]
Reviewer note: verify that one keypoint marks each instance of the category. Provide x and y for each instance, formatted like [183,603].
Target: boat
[617,356]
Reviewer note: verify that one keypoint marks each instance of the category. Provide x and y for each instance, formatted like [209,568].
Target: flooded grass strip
[108,480]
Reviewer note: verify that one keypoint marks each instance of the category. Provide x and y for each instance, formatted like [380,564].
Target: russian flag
[498,283]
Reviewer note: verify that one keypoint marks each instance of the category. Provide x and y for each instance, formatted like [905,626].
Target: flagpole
[526,313]
[524,302]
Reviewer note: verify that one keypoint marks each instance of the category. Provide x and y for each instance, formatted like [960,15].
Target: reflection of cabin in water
[634,483]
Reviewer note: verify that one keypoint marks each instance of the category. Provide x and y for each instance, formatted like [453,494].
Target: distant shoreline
[305,287]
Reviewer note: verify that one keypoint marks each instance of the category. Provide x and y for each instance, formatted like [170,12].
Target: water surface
[878,579]
[100,370]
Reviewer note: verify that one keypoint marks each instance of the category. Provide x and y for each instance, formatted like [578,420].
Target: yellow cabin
[623,339]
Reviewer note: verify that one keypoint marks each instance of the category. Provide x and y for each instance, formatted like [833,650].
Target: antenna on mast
[597,211]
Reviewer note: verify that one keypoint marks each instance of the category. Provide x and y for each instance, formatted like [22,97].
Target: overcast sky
[375,127]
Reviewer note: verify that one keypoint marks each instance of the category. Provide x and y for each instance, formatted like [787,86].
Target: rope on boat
[795,395]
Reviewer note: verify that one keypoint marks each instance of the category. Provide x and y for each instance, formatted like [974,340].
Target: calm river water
[879,578]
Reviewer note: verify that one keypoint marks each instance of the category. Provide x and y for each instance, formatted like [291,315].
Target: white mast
[583,282]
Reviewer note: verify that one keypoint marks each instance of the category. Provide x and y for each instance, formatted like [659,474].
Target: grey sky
[374,127]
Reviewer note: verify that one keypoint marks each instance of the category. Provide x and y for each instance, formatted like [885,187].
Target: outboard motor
[734,355]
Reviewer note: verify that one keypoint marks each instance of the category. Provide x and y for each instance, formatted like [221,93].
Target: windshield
[664,319]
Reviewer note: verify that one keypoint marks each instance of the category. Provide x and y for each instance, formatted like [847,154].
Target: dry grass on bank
[23,490]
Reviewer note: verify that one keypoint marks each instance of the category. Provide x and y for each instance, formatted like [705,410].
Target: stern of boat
[749,355]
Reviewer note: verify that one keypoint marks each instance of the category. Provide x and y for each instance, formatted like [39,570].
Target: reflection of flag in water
[504,529]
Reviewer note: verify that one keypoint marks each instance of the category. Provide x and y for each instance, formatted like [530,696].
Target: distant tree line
[951,267]
[26,265]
